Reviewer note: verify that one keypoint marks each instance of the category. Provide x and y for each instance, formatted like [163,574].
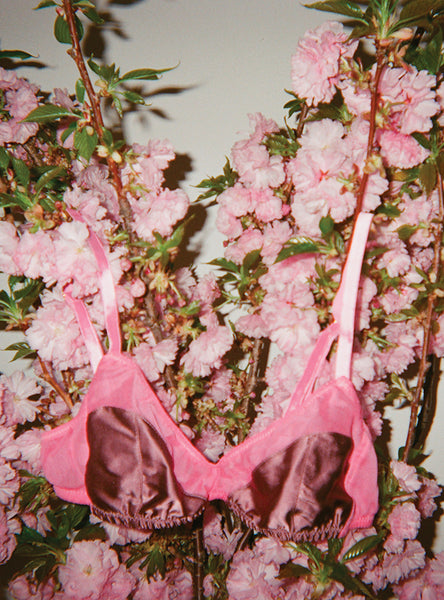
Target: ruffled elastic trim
[333,527]
[141,522]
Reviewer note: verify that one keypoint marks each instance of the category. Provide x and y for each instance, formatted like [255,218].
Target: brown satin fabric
[129,476]
[295,494]
[298,488]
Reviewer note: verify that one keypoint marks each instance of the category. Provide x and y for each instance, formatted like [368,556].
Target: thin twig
[48,377]
[199,562]
[427,328]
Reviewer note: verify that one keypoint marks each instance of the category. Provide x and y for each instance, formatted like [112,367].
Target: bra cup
[129,474]
[298,488]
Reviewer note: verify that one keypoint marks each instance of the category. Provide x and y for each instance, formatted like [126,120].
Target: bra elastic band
[90,337]
[344,304]
[108,294]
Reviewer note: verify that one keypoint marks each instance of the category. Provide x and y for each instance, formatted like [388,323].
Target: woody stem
[427,327]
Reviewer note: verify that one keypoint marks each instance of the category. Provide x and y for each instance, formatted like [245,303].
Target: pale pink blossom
[411,97]
[275,235]
[7,539]
[24,587]
[266,206]
[218,539]
[251,578]
[176,584]
[17,405]
[29,445]
[252,325]
[8,246]
[35,256]
[426,497]
[406,475]
[251,239]
[92,571]
[55,334]
[158,212]
[401,150]
[9,482]
[205,352]
[211,443]
[316,62]
[396,566]
[404,521]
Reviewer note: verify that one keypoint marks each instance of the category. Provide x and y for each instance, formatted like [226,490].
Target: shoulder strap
[108,294]
[344,304]
[344,310]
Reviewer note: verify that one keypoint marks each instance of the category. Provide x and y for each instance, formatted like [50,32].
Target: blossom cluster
[365,139]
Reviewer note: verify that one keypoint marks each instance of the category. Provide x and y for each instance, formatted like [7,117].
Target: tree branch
[427,327]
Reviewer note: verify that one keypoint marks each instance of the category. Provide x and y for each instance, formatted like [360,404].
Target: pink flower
[205,352]
[397,566]
[251,578]
[218,539]
[176,584]
[18,388]
[211,443]
[9,482]
[7,539]
[316,62]
[8,245]
[406,475]
[274,237]
[426,497]
[35,256]
[251,239]
[404,521]
[92,571]
[158,212]
[266,206]
[401,150]
[24,587]
[411,97]
[55,334]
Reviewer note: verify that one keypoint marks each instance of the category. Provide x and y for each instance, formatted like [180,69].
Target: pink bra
[310,474]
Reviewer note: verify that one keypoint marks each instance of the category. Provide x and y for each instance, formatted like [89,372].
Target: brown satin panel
[298,488]
[129,475]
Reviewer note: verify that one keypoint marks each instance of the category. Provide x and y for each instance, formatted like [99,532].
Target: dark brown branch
[199,553]
[427,328]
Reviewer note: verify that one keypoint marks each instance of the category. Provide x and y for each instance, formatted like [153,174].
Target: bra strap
[89,334]
[108,294]
[344,304]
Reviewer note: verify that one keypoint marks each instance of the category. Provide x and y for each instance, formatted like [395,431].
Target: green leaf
[291,570]
[4,158]
[326,225]
[21,170]
[227,265]
[45,4]
[340,7]
[428,176]
[48,113]
[91,532]
[405,231]
[133,97]
[15,54]
[49,176]
[146,74]
[93,15]
[334,547]
[362,547]
[391,210]
[61,30]
[22,350]
[80,91]
[302,245]
[428,58]
[85,142]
